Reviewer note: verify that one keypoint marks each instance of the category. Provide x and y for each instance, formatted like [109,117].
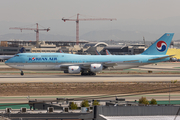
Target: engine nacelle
[74,69]
[96,67]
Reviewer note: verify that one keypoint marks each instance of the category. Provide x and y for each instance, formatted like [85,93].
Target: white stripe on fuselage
[57,66]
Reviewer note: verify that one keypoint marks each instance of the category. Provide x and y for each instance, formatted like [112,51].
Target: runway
[97,78]
[113,76]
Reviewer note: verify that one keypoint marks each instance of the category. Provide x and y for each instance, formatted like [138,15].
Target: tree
[85,103]
[143,100]
[153,101]
[95,103]
[73,106]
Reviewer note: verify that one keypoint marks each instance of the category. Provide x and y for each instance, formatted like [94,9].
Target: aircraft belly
[39,67]
[19,66]
[32,66]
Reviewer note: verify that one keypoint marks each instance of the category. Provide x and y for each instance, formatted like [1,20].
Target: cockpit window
[17,55]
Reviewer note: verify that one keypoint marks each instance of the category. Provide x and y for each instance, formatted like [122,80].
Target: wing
[105,64]
[111,64]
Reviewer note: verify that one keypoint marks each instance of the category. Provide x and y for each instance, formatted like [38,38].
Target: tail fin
[22,50]
[107,52]
[97,53]
[71,51]
[161,46]
[60,51]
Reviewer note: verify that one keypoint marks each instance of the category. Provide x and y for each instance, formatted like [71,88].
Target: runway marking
[36,81]
[110,80]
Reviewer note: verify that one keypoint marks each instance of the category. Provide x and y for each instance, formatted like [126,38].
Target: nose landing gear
[22,73]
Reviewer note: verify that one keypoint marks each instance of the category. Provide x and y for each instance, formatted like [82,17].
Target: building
[136,49]
[123,49]
[12,47]
[12,50]
[20,43]
[91,47]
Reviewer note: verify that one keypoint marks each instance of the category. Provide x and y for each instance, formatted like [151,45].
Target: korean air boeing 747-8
[91,64]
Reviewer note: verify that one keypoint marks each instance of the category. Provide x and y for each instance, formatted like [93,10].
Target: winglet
[161,46]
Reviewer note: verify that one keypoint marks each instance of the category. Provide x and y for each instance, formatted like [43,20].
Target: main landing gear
[22,73]
[88,73]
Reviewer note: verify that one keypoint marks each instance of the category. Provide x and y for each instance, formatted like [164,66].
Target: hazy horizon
[154,17]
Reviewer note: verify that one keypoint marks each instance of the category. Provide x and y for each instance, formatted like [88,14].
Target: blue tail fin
[22,50]
[161,46]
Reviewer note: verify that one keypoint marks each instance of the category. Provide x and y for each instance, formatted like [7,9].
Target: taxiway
[97,78]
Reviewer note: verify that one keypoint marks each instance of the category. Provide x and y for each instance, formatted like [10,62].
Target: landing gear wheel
[22,73]
[89,73]
[94,74]
[82,73]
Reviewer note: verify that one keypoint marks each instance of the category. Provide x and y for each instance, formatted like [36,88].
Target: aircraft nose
[6,62]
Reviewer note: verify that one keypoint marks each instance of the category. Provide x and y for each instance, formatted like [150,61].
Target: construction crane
[77,24]
[35,29]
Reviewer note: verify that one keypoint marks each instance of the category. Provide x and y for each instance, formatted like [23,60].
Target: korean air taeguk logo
[161,46]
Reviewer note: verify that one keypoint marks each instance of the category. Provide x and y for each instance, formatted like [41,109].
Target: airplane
[61,51]
[91,64]
[97,53]
[6,57]
[107,52]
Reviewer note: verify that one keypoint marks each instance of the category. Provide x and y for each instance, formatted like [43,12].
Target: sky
[135,15]
[37,10]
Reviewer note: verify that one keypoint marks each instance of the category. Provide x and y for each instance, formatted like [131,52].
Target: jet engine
[96,67]
[74,69]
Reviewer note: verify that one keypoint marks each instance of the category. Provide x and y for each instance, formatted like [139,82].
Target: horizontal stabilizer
[161,58]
